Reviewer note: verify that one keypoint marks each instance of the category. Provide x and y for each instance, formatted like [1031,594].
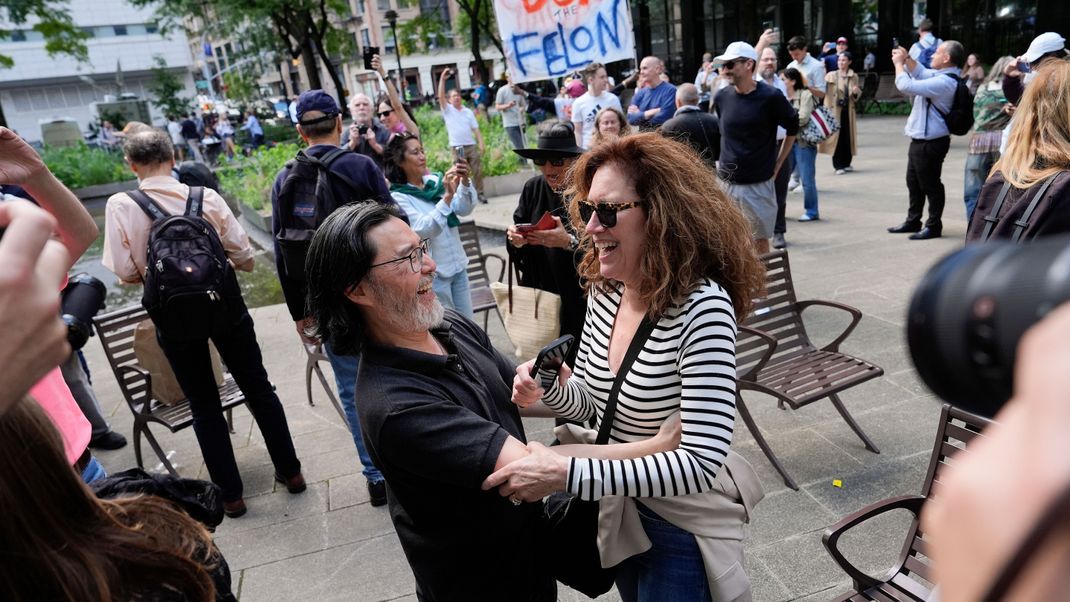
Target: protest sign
[550,38]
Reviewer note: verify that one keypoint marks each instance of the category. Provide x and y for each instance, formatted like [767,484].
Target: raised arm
[395,98]
[442,87]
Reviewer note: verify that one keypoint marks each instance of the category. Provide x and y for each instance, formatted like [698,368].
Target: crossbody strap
[149,206]
[993,216]
[195,201]
[1023,222]
[638,341]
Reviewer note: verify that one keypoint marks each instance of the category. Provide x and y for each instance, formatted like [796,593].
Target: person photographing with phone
[462,129]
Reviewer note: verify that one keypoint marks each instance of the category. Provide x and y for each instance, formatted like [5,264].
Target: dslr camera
[971,309]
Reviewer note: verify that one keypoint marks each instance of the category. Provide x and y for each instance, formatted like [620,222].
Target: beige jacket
[715,518]
[836,87]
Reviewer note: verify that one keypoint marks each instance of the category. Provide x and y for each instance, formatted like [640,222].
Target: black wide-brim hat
[552,148]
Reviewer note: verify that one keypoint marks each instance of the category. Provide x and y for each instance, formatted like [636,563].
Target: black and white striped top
[689,364]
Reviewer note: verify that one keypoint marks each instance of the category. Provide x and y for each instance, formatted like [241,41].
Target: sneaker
[848,168]
[806,217]
[483,199]
[377,493]
[840,172]
[779,242]
[109,440]
[794,185]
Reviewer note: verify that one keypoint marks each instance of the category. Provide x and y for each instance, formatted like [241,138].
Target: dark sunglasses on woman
[607,212]
[386,114]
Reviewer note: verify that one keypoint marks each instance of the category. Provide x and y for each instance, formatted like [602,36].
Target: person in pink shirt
[74,230]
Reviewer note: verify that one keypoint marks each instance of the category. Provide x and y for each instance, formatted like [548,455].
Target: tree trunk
[474,30]
[337,81]
[308,57]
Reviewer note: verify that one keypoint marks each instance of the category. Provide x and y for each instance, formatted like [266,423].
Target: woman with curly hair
[609,124]
[670,268]
[59,542]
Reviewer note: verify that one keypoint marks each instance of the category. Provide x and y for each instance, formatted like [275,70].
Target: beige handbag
[150,358]
[532,316]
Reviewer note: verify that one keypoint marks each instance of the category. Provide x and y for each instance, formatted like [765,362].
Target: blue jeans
[806,161]
[977,168]
[454,293]
[345,378]
[93,471]
[671,569]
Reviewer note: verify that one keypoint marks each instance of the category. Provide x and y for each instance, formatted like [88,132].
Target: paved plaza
[330,544]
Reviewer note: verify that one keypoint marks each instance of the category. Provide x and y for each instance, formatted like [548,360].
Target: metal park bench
[910,580]
[774,356]
[116,332]
[478,278]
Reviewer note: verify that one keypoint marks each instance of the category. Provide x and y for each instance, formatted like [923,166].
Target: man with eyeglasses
[365,135]
[547,258]
[352,177]
[435,409]
[749,113]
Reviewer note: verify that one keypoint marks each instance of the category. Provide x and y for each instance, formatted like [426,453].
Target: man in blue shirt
[933,91]
[319,122]
[655,102]
[252,125]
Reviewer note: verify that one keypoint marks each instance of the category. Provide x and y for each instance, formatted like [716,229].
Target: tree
[165,89]
[240,85]
[61,35]
[478,16]
[298,28]
[424,32]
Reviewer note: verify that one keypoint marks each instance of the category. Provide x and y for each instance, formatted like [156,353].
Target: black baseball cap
[316,100]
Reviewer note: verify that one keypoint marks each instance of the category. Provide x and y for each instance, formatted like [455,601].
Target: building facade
[42,88]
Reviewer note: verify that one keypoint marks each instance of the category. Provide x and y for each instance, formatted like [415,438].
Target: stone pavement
[330,544]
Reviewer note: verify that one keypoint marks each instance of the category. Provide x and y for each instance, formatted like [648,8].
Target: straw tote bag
[531,315]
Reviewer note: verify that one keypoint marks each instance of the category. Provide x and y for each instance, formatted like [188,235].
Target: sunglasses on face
[606,212]
[385,113]
[554,162]
[415,258]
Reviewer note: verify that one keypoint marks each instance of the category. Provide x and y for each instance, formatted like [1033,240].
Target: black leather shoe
[109,440]
[377,493]
[905,227]
[235,509]
[925,234]
[294,484]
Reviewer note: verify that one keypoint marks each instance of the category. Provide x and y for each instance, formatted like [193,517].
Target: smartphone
[895,43]
[458,154]
[553,355]
[1024,67]
[369,52]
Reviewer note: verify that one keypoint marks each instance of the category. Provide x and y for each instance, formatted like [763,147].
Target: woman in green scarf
[433,203]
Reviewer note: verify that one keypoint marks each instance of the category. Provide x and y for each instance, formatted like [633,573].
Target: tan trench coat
[834,85]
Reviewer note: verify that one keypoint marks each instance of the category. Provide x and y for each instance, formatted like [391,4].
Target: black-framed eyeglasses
[554,162]
[415,258]
[385,113]
[607,212]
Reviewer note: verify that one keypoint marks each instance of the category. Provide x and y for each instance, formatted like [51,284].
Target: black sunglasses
[554,162]
[607,212]
[386,113]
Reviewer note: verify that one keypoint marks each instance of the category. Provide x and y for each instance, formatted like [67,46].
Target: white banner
[549,38]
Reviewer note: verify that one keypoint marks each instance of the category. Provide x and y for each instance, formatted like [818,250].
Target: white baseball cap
[1043,44]
[736,50]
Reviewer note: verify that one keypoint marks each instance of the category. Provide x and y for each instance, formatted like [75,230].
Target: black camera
[82,299]
[362,129]
[970,310]
[842,102]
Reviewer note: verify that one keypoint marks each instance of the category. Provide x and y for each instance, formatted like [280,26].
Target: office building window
[383,4]
[120,30]
[365,38]
[388,39]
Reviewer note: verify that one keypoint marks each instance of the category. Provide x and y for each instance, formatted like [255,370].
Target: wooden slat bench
[478,277]
[774,356]
[887,94]
[116,332]
[910,580]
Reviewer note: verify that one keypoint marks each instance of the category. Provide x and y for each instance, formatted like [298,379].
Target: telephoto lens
[970,310]
[82,298]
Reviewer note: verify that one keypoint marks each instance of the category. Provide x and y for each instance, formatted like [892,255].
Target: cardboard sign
[549,38]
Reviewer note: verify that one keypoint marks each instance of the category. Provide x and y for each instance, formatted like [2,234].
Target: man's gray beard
[407,314]
[769,77]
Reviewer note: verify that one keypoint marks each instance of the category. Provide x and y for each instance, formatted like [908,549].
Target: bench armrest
[831,538]
[856,316]
[501,268]
[120,374]
[770,348]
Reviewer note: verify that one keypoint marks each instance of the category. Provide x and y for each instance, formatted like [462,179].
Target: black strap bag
[571,523]
[1028,220]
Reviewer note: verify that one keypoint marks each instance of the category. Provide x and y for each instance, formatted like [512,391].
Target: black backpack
[959,119]
[186,269]
[306,198]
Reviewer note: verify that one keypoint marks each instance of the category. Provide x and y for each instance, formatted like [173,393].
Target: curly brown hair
[694,230]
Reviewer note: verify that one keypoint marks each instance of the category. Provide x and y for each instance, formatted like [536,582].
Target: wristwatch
[573,242]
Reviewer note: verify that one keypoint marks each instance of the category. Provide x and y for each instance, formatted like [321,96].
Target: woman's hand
[533,477]
[514,237]
[526,392]
[21,163]
[377,65]
[556,238]
[668,437]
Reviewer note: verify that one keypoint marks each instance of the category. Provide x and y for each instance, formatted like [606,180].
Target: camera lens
[970,310]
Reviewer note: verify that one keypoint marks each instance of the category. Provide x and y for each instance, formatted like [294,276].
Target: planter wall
[96,197]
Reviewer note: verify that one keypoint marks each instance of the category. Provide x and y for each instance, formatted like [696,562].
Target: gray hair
[956,52]
[152,147]
[687,94]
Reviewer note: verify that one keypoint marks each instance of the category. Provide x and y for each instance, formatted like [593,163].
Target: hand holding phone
[369,52]
[458,154]
[552,356]
[895,43]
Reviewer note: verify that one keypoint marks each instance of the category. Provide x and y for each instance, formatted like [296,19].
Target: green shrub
[498,160]
[251,182]
[80,166]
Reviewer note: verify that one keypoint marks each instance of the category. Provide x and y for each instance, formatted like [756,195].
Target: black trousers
[841,157]
[925,162]
[780,184]
[235,340]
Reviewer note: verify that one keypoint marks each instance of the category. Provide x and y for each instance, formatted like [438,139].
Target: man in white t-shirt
[586,108]
[462,130]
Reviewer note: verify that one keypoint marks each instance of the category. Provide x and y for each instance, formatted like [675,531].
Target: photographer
[365,135]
